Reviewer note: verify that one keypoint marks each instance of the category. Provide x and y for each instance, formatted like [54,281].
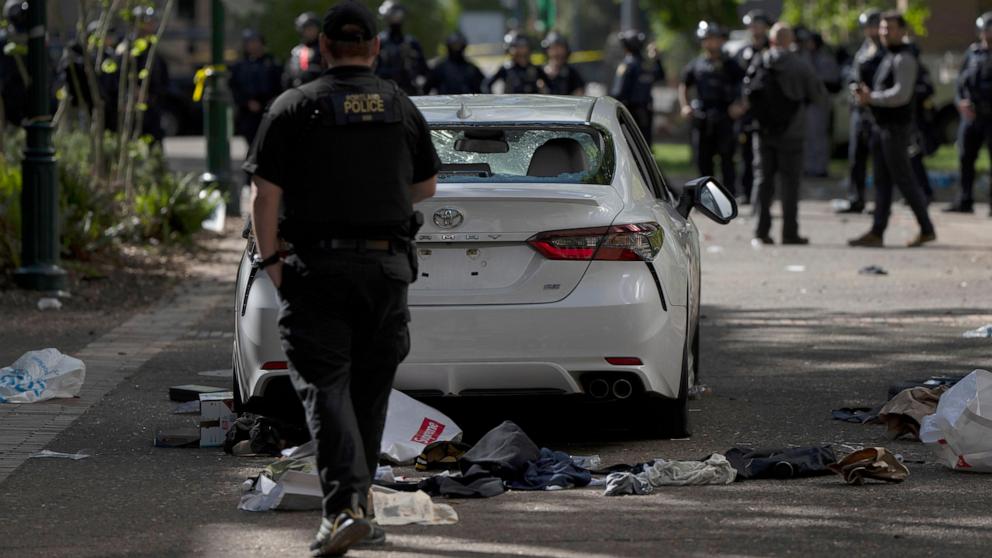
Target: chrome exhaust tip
[623,389]
[599,388]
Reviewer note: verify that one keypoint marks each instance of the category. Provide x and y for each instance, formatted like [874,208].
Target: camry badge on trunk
[448,218]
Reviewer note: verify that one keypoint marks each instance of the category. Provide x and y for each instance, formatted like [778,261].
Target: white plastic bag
[411,426]
[407,508]
[41,375]
[960,432]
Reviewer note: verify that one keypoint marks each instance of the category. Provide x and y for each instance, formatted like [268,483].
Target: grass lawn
[675,159]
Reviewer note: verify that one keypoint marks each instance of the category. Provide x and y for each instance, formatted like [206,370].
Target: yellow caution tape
[200,79]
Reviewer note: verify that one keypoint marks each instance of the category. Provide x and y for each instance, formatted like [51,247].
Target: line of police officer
[974,100]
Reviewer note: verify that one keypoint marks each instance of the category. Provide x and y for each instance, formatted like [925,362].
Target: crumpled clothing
[504,451]
[870,463]
[554,470]
[619,484]
[790,463]
[858,415]
[902,415]
[714,470]
[476,485]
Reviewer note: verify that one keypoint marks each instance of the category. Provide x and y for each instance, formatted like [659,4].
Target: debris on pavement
[903,413]
[859,415]
[931,382]
[441,456]
[187,408]
[872,270]
[789,463]
[553,470]
[49,303]
[795,268]
[411,426]
[960,431]
[48,454]
[180,438]
[257,435]
[870,463]
[588,462]
[191,392]
[714,249]
[699,391]
[983,332]
[41,375]
[409,508]
[217,416]
[714,470]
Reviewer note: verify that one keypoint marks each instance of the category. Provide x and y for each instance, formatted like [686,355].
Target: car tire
[665,418]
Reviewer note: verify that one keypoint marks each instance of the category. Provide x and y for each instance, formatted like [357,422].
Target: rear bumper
[615,311]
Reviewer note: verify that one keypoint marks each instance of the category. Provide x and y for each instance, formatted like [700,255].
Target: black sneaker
[377,537]
[766,240]
[795,240]
[336,536]
[960,206]
[855,208]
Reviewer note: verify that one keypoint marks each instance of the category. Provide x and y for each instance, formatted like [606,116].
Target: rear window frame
[607,166]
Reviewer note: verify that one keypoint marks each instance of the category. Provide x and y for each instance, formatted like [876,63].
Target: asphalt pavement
[789,333]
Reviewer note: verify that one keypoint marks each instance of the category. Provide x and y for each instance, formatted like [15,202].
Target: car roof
[506,108]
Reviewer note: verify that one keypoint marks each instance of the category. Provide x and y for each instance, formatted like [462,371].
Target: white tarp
[41,375]
[411,426]
[960,432]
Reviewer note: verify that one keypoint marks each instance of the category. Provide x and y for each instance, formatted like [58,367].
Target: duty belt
[359,245]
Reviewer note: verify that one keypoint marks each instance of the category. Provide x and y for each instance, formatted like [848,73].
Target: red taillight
[625,243]
[275,365]
[624,361]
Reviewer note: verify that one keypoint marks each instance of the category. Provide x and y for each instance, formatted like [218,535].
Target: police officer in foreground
[350,222]
[974,98]
[402,58]
[890,98]
[758,23]
[519,75]
[304,64]
[716,79]
[455,75]
[563,77]
[635,81]
[866,62]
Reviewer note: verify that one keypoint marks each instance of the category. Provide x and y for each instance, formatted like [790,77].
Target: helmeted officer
[974,98]
[519,75]
[716,79]
[455,75]
[563,77]
[402,58]
[635,79]
[865,64]
[304,64]
[758,22]
[350,221]
[254,81]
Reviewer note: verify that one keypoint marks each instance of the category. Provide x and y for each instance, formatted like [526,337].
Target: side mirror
[710,198]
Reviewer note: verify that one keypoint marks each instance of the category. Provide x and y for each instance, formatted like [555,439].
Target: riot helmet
[869,18]
[708,29]
[757,16]
[632,40]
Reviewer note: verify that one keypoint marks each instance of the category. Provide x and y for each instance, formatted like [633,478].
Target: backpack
[770,106]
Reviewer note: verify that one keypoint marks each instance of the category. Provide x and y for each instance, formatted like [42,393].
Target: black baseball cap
[349,13]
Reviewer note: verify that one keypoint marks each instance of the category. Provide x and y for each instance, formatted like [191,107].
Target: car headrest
[557,156]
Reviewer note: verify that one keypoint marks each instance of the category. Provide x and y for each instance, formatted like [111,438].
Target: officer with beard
[304,63]
[455,75]
[401,58]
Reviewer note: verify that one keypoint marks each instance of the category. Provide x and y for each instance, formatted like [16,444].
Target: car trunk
[478,253]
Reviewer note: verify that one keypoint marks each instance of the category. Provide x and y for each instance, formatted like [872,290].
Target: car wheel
[669,418]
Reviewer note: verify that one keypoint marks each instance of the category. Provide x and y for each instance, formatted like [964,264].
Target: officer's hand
[275,274]
[967,109]
[736,110]
[863,95]
[686,111]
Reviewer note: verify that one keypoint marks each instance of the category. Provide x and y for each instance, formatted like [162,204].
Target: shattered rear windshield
[522,154]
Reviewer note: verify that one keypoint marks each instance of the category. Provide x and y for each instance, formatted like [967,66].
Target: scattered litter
[48,454]
[441,455]
[870,463]
[983,332]
[187,408]
[215,373]
[903,413]
[217,416]
[294,491]
[873,270]
[407,508]
[714,470]
[588,462]
[714,249]
[191,392]
[411,426]
[859,415]
[795,268]
[181,438]
[62,294]
[699,391]
[960,431]
[41,375]
[305,450]
[931,382]
[789,463]
[258,435]
[384,473]
[757,244]
[48,303]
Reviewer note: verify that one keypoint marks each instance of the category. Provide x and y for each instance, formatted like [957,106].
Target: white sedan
[555,259]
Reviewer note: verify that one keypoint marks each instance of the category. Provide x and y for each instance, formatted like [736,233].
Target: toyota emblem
[448,218]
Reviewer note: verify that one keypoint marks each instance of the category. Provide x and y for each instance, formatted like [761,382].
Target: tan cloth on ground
[904,412]
[870,463]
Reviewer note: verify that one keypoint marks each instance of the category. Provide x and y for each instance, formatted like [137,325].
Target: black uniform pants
[858,153]
[890,150]
[745,136]
[644,118]
[972,136]
[343,321]
[782,158]
[714,137]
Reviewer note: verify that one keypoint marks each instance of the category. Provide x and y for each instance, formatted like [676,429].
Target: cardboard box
[217,416]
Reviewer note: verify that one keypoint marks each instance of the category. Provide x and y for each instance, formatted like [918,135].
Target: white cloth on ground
[714,470]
